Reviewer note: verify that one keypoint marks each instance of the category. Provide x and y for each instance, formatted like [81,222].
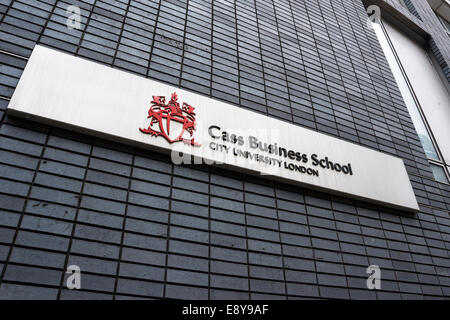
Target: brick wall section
[140,227]
[412,9]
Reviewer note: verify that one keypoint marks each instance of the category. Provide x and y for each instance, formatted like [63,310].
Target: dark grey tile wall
[140,227]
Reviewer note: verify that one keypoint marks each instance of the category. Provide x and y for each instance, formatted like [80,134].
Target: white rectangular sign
[67,91]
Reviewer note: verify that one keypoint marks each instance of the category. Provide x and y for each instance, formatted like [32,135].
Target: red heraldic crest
[162,115]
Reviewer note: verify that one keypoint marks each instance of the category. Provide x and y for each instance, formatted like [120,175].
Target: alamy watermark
[74,280]
[374,280]
[374,13]
[74,19]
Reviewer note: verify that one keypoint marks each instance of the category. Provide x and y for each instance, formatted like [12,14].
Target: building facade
[139,226]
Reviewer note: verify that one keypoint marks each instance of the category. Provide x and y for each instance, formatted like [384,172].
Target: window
[439,173]
[437,162]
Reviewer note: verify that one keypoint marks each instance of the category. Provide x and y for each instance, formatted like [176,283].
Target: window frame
[441,161]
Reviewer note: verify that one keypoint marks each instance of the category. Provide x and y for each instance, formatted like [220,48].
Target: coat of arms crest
[171,121]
